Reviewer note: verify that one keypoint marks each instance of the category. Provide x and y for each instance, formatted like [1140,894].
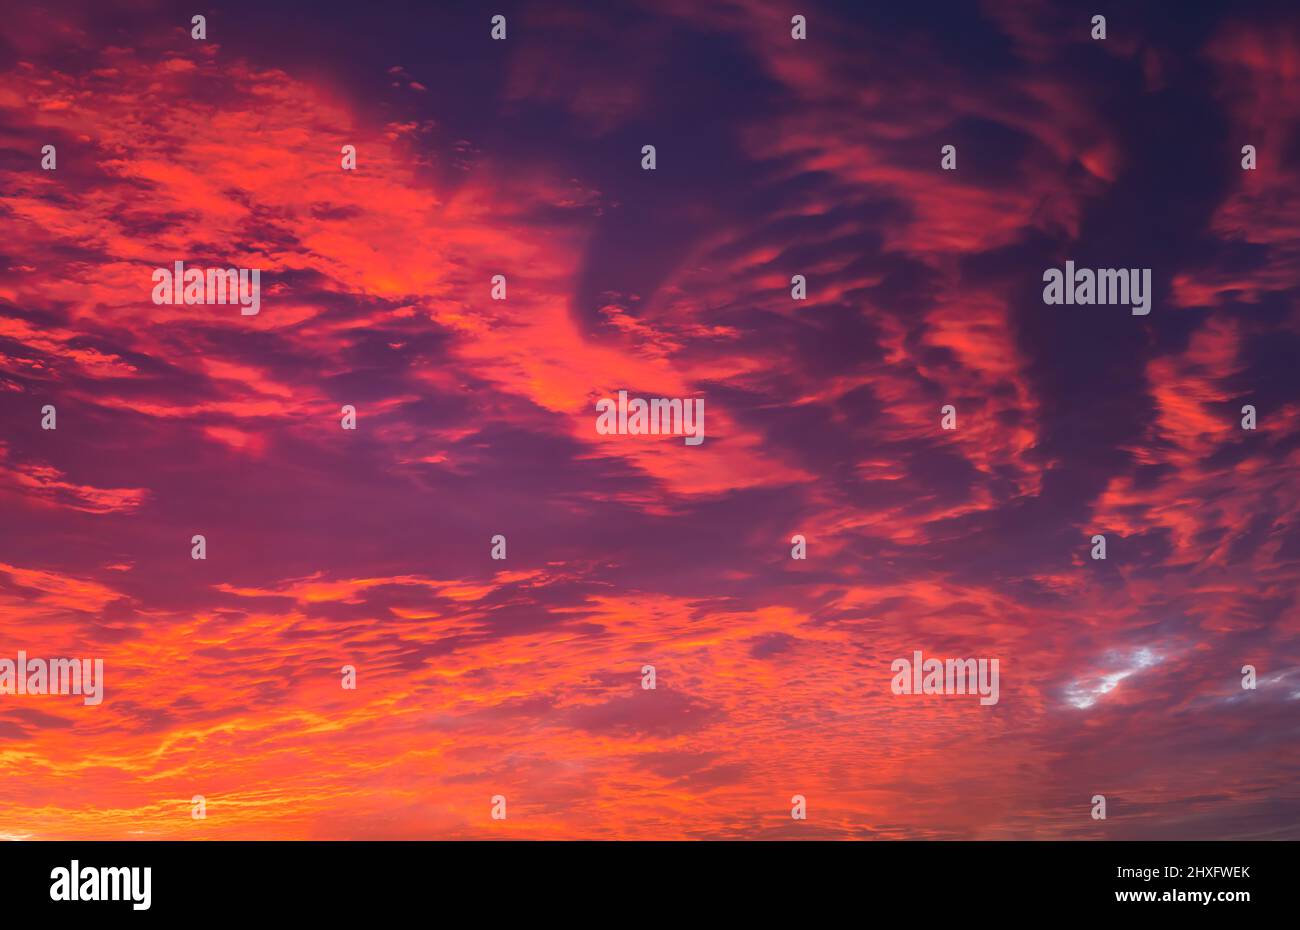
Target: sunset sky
[476,417]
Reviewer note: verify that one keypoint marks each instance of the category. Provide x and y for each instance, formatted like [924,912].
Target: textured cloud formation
[476,417]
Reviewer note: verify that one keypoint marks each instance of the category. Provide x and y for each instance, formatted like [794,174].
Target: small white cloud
[1085,692]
